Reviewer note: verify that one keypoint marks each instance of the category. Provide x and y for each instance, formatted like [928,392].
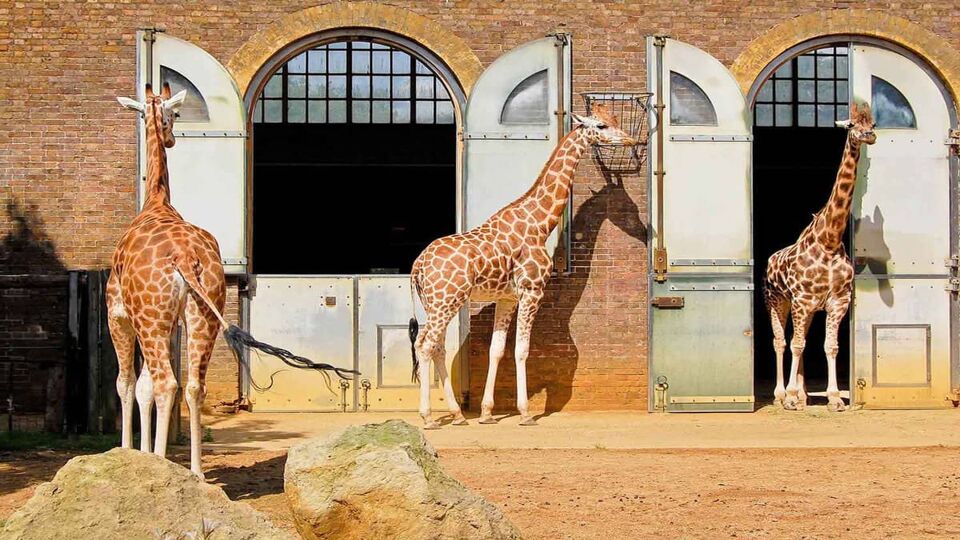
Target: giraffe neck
[158,184]
[551,191]
[833,218]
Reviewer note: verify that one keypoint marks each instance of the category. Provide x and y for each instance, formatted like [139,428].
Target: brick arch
[933,49]
[461,60]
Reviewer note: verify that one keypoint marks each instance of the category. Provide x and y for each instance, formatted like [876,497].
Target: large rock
[383,481]
[126,494]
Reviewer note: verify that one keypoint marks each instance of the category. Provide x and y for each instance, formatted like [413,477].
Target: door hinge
[660,394]
[953,285]
[952,262]
[954,396]
[344,386]
[660,264]
[667,302]
[953,141]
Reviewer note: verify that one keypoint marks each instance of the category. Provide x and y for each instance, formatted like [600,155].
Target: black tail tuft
[238,340]
[414,331]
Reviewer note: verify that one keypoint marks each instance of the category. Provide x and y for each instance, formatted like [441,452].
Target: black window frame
[791,76]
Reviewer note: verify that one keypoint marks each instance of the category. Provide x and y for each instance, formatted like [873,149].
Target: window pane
[193,108]
[401,87]
[842,91]
[274,87]
[296,112]
[805,91]
[806,115]
[337,62]
[689,104]
[785,71]
[361,112]
[825,91]
[379,46]
[338,112]
[361,87]
[401,112]
[297,64]
[317,112]
[764,115]
[527,102]
[296,86]
[381,87]
[843,112]
[338,45]
[337,86]
[381,112]
[825,50]
[784,115]
[361,62]
[825,116]
[766,91]
[784,91]
[441,90]
[401,62]
[258,112]
[825,66]
[317,86]
[423,69]
[424,112]
[805,66]
[445,112]
[317,61]
[890,107]
[841,50]
[273,111]
[842,67]
[381,62]
[424,87]
[361,45]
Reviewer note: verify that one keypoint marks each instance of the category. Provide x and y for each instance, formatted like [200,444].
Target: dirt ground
[664,493]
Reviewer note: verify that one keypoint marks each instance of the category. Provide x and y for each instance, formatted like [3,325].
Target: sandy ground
[590,490]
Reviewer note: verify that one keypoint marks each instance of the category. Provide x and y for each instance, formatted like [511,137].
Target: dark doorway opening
[796,155]
[354,162]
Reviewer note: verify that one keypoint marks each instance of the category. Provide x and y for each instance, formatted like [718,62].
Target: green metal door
[701,281]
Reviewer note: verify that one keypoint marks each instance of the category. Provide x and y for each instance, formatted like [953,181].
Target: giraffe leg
[431,348]
[441,360]
[145,402]
[156,356]
[124,341]
[501,323]
[801,323]
[201,338]
[779,311]
[836,310]
[529,304]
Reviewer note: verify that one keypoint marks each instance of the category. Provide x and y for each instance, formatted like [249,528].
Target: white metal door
[514,119]
[903,233]
[701,319]
[207,165]
[312,317]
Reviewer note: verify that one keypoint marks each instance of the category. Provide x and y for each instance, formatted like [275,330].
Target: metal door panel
[383,345]
[704,350]
[903,231]
[312,317]
[207,165]
[503,160]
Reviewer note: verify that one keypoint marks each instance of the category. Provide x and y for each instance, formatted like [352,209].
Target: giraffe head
[860,125]
[602,127]
[158,111]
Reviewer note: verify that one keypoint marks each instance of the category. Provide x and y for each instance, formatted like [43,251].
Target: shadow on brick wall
[33,314]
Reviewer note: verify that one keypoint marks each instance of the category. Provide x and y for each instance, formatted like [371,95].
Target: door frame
[954,161]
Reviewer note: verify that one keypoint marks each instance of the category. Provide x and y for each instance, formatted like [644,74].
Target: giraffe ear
[577,120]
[845,124]
[174,103]
[131,103]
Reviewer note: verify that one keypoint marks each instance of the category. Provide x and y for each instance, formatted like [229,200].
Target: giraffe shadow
[554,350]
[873,252]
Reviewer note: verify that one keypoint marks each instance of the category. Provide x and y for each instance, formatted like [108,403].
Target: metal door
[312,317]
[701,284]
[207,165]
[516,114]
[903,231]
[383,347]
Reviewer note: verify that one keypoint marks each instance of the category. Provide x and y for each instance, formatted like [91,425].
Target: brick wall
[67,149]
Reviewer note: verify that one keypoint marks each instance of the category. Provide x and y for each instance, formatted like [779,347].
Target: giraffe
[816,274]
[165,270]
[504,260]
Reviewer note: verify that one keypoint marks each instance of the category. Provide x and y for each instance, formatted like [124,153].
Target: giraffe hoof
[528,421]
[836,406]
[792,404]
[459,420]
[431,424]
[487,420]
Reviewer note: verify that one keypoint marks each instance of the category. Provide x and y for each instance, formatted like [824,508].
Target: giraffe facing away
[503,260]
[816,274]
[165,270]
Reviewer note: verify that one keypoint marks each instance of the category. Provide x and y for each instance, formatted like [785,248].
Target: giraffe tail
[238,339]
[413,330]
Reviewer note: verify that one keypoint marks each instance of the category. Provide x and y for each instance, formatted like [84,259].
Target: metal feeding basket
[631,109]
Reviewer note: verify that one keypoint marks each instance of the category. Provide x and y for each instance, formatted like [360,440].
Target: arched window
[810,90]
[528,102]
[890,107]
[194,108]
[355,82]
[689,104]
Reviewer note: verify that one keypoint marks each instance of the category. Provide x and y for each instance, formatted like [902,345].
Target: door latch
[660,394]
[365,385]
[953,141]
[344,386]
[668,302]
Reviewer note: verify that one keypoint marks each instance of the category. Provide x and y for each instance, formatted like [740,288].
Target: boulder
[383,481]
[125,494]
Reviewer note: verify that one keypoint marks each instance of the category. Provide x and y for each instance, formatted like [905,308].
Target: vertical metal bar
[93,353]
[660,252]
